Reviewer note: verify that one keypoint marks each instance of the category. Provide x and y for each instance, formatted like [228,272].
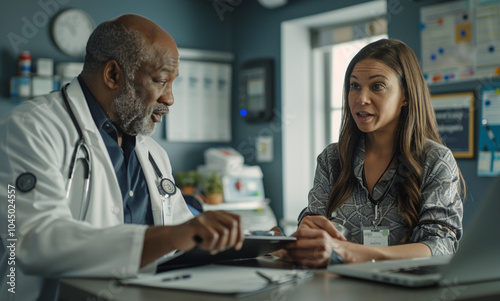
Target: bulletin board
[455,119]
[488,149]
[460,40]
[202,93]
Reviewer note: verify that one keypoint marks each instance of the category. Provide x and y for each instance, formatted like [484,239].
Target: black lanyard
[387,189]
[376,220]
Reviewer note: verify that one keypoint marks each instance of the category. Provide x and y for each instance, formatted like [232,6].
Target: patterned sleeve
[323,183]
[440,219]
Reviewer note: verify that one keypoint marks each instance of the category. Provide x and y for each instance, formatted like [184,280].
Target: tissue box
[45,67]
[41,85]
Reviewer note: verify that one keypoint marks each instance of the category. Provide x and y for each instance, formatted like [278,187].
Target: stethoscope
[166,187]
[87,159]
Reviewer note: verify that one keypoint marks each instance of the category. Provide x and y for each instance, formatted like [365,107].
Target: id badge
[166,203]
[376,236]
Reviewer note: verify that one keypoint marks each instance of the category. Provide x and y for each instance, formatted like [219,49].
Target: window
[306,43]
[341,55]
[331,63]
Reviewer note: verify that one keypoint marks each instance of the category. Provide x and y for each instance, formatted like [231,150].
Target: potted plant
[187,181]
[213,189]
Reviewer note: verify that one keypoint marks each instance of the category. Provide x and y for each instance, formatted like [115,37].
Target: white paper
[496,163]
[264,147]
[484,162]
[217,279]
[442,47]
[491,106]
[488,32]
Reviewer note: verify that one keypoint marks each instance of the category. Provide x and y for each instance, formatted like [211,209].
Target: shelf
[237,206]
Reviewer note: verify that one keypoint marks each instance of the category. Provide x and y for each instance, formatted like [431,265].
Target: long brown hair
[416,124]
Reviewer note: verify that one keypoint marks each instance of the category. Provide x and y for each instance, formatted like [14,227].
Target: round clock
[70,30]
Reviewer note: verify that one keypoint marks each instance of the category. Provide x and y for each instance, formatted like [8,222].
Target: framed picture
[455,119]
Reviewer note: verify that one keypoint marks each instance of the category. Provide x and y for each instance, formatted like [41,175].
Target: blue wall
[404,26]
[256,34]
[250,32]
[192,23]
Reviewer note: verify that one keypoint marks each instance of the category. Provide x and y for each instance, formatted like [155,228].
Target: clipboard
[253,246]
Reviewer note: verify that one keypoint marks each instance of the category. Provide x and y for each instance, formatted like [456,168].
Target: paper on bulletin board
[488,32]
[489,131]
[460,40]
[491,106]
[201,111]
[447,36]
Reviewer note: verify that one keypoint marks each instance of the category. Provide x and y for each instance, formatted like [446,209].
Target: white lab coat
[39,137]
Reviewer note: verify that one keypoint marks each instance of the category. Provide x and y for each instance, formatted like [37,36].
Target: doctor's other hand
[213,231]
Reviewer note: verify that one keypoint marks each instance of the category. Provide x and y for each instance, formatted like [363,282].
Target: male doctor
[126,221]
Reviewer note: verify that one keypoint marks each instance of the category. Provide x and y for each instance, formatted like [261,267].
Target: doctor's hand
[214,231]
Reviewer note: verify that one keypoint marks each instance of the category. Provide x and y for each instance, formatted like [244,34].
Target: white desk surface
[323,286]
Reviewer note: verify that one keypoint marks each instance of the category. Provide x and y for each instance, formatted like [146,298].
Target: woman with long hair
[389,180]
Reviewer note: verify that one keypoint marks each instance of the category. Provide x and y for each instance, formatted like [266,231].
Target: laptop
[477,258]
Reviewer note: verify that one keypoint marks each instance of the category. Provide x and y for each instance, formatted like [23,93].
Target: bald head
[131,40]
[154,36]
[129,67]
[147,28]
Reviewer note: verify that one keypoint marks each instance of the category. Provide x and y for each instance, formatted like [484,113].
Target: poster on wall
[455,119]
[488,149]
[460,40]
[201,111]
[446,38]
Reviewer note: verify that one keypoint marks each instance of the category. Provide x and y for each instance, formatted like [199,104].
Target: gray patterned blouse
[440,219]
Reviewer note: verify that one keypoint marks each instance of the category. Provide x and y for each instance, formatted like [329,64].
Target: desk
[323,286]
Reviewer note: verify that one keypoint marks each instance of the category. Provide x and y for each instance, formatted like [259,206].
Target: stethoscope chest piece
[166,187]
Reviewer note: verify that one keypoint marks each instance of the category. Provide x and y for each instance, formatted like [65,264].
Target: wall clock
[70,31]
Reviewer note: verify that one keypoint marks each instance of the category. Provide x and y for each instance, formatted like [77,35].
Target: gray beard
[131,114]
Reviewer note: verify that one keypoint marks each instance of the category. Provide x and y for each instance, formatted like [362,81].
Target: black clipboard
[253,246]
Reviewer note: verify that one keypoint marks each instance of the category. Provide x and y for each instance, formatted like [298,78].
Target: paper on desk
[217,279]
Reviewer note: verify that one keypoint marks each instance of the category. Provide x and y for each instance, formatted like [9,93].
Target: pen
[178,277]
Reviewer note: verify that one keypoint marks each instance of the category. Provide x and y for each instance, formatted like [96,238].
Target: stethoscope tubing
[87,159]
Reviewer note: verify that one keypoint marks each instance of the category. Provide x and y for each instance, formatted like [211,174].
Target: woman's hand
[321,222]
[316,237]
[312,248]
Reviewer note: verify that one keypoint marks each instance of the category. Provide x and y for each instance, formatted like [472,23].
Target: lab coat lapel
[97,147]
